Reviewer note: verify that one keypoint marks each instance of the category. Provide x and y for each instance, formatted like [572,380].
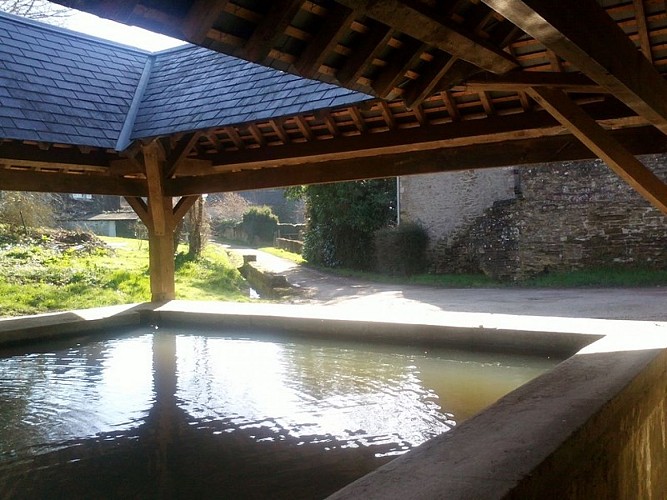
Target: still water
[171,413]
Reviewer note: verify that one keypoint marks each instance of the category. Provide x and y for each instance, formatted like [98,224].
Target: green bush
[401,250]
[342,218]
[260,224]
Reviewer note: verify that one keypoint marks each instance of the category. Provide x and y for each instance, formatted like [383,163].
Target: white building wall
[445,202]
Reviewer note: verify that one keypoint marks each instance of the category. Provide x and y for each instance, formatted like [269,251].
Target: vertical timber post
[160,216]
[161,230]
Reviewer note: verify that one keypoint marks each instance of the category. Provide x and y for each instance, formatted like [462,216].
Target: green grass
[279,252]
[38,275]
[600,278]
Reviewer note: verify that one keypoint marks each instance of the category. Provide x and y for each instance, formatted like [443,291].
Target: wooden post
[160,217]
[161,259]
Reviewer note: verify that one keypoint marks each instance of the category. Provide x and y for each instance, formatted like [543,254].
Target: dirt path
[324,289]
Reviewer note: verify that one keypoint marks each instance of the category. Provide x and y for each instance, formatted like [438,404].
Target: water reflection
[48,398]
[312,392]
[178,414]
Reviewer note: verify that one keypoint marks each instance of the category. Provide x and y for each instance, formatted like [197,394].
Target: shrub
[401,250]
[342,218]
[260,224]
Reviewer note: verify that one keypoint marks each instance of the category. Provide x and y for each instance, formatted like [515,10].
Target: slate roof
[58,86]
[64,88]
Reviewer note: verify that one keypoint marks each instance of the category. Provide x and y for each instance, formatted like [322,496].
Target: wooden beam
[417,20]
[179,153]
[467,132]
[161,266]
[400,62]
[156,198]
[276,20]
[582,33]
[201,17]
[598,140]
[182,206]
[21,154]
[372,43]
[336,23]
[141,209]
[50,182]
[642,29]
[524,80]
[508,153]
[425,85]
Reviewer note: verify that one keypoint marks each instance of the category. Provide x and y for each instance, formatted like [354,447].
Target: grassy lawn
[41,273]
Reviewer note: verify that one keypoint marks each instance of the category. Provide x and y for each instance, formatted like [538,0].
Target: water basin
[180,413]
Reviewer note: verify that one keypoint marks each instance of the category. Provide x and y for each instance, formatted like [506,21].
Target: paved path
[350,293]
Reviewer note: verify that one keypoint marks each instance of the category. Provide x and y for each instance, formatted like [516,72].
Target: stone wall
[444,203]
[564,216]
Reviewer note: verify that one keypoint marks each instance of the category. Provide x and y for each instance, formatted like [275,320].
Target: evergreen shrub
[260,224]
[401,250]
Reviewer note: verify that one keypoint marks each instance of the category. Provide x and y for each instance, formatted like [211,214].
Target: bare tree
[40,10]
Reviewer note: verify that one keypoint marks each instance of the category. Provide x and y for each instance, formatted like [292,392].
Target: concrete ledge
[267,283]
[59,325]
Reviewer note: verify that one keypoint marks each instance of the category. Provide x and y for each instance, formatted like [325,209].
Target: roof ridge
[128,125]
[70,32]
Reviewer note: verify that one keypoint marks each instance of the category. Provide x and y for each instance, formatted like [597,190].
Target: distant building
[120,224]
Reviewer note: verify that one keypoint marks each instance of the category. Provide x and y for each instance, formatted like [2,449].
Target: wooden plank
[201,17]
[154,179]
[277,19]
[326,39]
[605,53]
[416,19]
[598,140]
[510,153]
[49,182]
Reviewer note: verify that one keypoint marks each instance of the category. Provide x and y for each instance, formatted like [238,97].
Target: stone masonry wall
[566,216]
[446,202]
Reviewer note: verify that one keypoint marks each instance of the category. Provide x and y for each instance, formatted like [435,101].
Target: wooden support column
[160,217]
[600,142]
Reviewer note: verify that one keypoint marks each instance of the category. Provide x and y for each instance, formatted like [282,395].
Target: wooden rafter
[605,54]
[598,140]
[415,19]
[337,23]
[178,154]
[200,18]
[271,28]
[370,46]
[642,29]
